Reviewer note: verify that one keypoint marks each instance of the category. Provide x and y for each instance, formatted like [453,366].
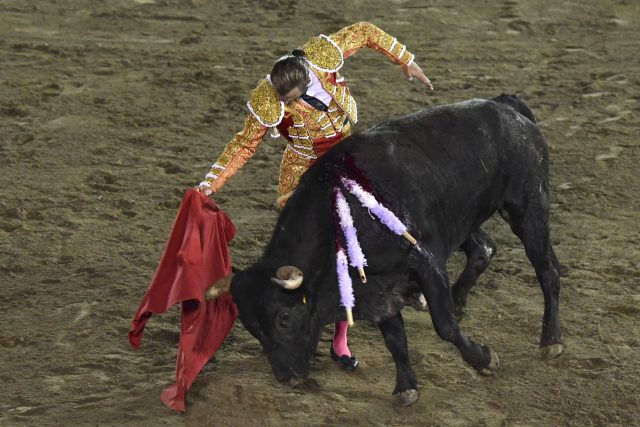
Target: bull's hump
[427,114]
[470,103]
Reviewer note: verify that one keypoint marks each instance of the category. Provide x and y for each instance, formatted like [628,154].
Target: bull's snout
[283,376]
[285,371]
[287,374]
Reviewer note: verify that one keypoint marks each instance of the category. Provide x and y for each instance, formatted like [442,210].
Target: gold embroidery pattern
[265,104]
[300,138]
[317,124]
[352,38]
[341,96]
[291,169]
[322,54]
[237,152]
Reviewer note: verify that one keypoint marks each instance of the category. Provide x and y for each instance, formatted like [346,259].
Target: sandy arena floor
[110,110]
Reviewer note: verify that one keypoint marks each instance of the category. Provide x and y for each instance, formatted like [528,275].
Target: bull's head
[273,308]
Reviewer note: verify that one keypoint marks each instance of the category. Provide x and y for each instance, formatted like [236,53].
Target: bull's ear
[288,277]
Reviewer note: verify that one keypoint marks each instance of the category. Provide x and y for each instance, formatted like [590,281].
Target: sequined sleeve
[236,153]
[354,37]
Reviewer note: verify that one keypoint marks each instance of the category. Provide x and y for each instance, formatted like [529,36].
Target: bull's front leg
[395,339]
[434,283]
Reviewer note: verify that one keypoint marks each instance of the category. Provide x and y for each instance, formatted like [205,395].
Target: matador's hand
[414,70]
[204,190]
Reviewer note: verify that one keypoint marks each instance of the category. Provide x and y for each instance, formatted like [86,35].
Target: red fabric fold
[196,255]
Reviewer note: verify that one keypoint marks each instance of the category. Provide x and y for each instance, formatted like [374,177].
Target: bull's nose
[283,376]
[302,374]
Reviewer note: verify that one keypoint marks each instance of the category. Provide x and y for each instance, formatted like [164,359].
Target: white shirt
[316,90]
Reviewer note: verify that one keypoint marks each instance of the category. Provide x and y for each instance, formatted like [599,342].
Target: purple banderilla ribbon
[344,284]
[385,216]
[356,257]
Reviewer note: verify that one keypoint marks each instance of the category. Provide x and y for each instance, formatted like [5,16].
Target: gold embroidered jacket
[298,123]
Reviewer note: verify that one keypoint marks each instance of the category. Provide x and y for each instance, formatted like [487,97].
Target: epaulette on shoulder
[265,105]
[323,54]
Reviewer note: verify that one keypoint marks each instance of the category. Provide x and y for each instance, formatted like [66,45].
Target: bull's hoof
[493,366]
[551,351]
[406,398]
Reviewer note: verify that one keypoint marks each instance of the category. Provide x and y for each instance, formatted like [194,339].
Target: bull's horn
[289,277]
[220,287]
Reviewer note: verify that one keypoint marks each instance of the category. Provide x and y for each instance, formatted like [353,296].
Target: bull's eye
[284,319]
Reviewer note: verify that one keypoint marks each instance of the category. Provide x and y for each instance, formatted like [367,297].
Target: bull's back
[447,169]
[461,142]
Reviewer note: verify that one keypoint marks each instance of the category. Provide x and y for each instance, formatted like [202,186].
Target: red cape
[195,257]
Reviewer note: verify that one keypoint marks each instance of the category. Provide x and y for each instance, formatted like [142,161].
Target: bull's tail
[517,104]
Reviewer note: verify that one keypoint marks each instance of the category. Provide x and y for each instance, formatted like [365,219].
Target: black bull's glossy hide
[443,171]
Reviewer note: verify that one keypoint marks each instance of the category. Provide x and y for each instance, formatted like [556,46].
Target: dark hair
[290,72]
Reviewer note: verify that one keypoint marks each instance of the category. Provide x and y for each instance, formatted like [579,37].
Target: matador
[307,101]
[310,127]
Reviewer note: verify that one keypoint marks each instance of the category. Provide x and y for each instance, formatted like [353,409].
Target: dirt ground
[110,110]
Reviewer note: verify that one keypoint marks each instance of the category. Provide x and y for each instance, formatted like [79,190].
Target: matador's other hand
[414,70]
[204,190]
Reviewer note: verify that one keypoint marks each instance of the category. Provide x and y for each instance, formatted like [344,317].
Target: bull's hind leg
[531,225]
[395,339]
[479,248]
[434,283]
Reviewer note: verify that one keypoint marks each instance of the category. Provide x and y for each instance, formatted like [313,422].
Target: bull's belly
[383,296]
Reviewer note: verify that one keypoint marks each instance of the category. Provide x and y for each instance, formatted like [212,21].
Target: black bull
[443,171]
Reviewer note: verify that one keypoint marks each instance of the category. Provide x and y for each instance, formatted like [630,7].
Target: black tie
[314,102]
